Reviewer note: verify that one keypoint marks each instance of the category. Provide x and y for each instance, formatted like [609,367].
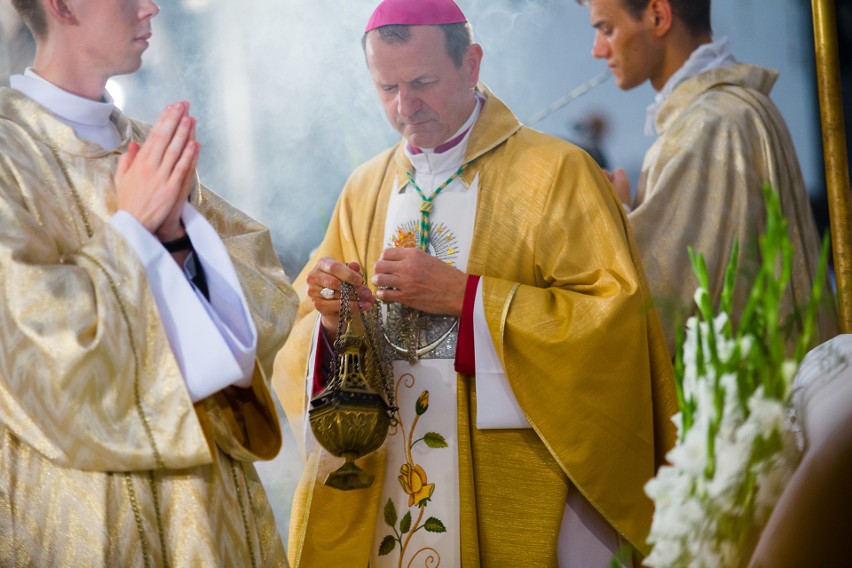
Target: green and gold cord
[426,206]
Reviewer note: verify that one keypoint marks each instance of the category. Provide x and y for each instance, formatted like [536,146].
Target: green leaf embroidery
[390,513]
[434,440]
[405,523]
[387,545]
[434,525]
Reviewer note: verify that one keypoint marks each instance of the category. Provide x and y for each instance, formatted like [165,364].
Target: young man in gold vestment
[523,440]
[139,317]
[720,138]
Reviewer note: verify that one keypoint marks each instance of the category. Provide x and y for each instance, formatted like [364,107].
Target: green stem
[403,548]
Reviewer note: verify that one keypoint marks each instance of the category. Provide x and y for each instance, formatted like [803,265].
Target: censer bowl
[350,425]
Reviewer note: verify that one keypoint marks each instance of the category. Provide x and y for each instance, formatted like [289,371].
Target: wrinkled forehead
[423,48]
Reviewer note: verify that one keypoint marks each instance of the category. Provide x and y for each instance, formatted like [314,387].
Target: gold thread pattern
[136,391]
[74,195]
[137,514]
[155,497]
[113,497]
[241,501]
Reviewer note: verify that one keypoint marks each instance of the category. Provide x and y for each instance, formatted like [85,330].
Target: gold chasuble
[104,459]
[721,138]
[571,318]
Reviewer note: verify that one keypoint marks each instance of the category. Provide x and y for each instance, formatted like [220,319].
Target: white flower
[747,433]
[678,422]
[666,553]
[766,414]
[734,453]
[690,456]
[731,466]
[732,413]
[746,343]
[700,295]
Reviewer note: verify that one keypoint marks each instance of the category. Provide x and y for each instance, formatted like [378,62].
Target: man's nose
[599,47]
[408,103]
[148,9]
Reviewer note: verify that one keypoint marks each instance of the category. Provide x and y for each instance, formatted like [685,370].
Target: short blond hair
[32,13]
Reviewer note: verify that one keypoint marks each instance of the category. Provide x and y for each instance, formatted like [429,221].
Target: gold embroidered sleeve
[245,421]
[572,331]
[87,377]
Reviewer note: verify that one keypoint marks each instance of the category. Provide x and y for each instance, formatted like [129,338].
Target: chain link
[378,357]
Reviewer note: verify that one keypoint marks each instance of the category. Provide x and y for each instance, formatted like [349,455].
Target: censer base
[349,476]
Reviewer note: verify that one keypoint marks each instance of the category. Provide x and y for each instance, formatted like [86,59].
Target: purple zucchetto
[415,13]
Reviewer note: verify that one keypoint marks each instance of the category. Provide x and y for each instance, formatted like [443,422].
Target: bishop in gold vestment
[720,139]
[104,459]
[568,309]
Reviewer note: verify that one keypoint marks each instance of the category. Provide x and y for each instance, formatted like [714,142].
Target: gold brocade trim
[74,195]
[248,488]
[134,502]
[504,316]
[140,529]
[243,514]
[137,397]
[155,496]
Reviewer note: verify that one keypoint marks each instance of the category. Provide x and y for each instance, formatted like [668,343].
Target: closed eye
[603,28]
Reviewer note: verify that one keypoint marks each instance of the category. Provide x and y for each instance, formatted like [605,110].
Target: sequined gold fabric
[571,317]
[104,460]
[721,139]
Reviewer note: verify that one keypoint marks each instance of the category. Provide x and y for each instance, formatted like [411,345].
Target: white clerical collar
[89,119]
[449,155]
[707,56]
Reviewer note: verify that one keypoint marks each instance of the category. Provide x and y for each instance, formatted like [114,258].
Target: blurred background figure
[588,133]
[719,139]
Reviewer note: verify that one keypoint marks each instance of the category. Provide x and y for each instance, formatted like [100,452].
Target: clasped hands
[153,181]
[404,275]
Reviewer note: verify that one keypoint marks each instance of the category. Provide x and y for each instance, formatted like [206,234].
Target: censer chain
[378,353]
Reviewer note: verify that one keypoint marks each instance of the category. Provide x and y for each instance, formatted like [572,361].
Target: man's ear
[660,16]
[472,62]
[61,11]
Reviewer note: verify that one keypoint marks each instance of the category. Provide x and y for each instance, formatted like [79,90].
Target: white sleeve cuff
[496,405]
[227,307]
[308,438]
[202,354]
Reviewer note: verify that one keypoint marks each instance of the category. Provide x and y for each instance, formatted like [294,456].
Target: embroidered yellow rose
[413,481]
[422,404]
